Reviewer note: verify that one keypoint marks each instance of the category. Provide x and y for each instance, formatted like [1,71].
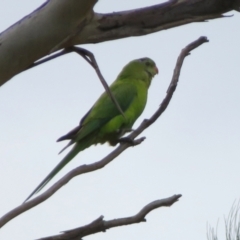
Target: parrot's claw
[128,130]
[126,140]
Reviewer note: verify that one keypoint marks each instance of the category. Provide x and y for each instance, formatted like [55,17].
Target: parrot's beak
[156,69]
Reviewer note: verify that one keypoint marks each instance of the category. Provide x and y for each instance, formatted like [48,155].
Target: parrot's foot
[130,141]
[127,140]
[128,130]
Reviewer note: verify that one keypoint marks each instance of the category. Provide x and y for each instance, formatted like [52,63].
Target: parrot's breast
[119,125]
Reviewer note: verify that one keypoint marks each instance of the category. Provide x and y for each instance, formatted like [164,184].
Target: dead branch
[99,225]
[23,43]
[122,147]
[143,21]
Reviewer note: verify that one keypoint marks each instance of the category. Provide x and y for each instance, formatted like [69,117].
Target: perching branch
[99,225]
[122,147]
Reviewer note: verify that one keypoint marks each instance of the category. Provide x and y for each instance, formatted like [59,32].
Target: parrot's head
[143,69]
[149,66]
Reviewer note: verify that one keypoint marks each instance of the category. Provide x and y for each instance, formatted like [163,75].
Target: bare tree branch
[152,19]
[123,146]
[23,44]
[89,57]
[99,225]
[40,33]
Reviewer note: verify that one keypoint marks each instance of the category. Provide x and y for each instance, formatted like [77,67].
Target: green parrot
[103,122]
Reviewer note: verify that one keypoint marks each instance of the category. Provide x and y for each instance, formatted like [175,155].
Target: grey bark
[59,24]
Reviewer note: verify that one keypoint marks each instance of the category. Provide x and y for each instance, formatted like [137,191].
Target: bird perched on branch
[104,122]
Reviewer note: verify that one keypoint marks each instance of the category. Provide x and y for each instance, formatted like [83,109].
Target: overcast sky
[193,149]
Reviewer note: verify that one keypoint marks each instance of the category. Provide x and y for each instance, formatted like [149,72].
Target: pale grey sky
[193,149]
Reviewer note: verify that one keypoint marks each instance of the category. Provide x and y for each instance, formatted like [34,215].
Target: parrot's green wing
[103,111]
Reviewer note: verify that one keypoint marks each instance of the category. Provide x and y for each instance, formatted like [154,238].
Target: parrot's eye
[148,64]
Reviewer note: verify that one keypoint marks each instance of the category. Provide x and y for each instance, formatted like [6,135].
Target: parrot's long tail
[78,147]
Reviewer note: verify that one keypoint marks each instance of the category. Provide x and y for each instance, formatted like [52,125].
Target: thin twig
[89,57]
[123,146]
[44,60]
[99,225]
